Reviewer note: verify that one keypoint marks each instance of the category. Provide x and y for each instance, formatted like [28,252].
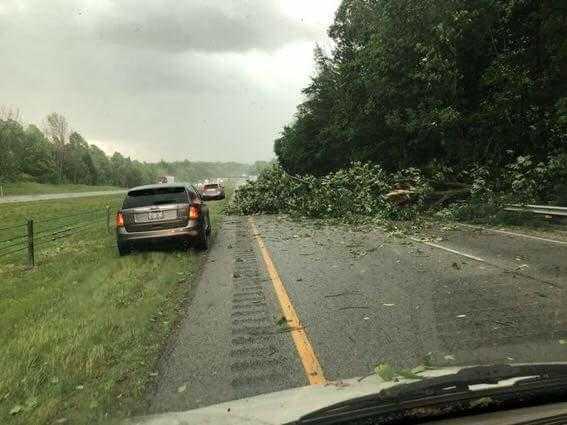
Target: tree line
[414,81]
[57,155]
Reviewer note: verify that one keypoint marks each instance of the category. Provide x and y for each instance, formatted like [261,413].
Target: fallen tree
[360,190]
[364,189]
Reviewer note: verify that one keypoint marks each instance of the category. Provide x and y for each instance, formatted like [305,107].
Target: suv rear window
[211,186]
[156,196]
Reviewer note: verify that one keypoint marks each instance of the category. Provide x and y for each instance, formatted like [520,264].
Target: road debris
[338,384]
[182,388]
[340,294]
[481,402]
[389,373]
[16,410]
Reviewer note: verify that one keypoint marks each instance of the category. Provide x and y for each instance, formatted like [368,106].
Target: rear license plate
[155,215]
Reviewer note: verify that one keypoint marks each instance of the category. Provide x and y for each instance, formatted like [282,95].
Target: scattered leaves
[481,402]
[385,372]
[389,373]
[17,409]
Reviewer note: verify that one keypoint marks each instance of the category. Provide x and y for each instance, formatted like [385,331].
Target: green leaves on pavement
[389,373]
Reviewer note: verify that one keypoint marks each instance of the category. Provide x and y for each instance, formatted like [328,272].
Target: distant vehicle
[166,179]
[163,212]
[213,191]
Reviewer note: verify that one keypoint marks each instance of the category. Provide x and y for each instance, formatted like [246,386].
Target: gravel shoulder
[228,346]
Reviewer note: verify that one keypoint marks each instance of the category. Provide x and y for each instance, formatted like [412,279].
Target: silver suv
[162,212]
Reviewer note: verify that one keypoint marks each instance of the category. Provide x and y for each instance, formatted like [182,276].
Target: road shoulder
[228,345]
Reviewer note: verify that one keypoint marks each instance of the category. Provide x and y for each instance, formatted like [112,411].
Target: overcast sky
[171,79]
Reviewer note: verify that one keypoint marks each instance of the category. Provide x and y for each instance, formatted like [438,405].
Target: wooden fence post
[108,218]
[31,256]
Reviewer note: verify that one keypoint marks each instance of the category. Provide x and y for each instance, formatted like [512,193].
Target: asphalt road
[361,298]
[49,196]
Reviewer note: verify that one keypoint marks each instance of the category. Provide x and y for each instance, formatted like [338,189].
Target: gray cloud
[202,80]
[206,26]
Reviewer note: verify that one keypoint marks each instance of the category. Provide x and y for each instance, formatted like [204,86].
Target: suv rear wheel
[204,240]
[123,249]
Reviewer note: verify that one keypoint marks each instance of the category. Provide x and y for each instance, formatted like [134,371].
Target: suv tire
[204,239]
[123,249]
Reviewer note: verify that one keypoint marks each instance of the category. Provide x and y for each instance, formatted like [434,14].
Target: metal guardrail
[538,209]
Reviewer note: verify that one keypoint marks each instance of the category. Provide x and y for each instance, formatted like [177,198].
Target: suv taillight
[119,219]
[193,212]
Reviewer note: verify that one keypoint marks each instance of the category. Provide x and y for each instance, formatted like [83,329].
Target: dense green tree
[411,81]
[11,141]
[101,164]
[38,156]
[58,156]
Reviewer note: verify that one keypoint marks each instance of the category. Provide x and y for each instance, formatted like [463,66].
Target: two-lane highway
[282,304]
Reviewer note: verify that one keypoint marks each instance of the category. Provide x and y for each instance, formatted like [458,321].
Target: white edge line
[522,235]
[453,251]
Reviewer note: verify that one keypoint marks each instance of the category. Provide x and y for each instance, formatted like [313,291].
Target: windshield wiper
[451,387]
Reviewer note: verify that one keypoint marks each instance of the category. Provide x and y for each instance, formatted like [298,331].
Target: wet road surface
[361,298]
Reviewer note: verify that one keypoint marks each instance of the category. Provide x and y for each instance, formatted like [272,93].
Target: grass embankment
[82,331]
[28,188]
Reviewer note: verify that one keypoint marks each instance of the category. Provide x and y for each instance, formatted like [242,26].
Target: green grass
[82,331]
[29,188]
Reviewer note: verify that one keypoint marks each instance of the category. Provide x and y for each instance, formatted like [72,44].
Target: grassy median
[29,188]
[82,331]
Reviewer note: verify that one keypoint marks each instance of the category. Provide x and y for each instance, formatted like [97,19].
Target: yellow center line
[304,348]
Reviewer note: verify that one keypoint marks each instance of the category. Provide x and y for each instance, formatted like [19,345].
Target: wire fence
[27,240]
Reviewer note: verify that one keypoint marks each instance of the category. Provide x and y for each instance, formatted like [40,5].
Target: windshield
[157,196]
[207,201]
